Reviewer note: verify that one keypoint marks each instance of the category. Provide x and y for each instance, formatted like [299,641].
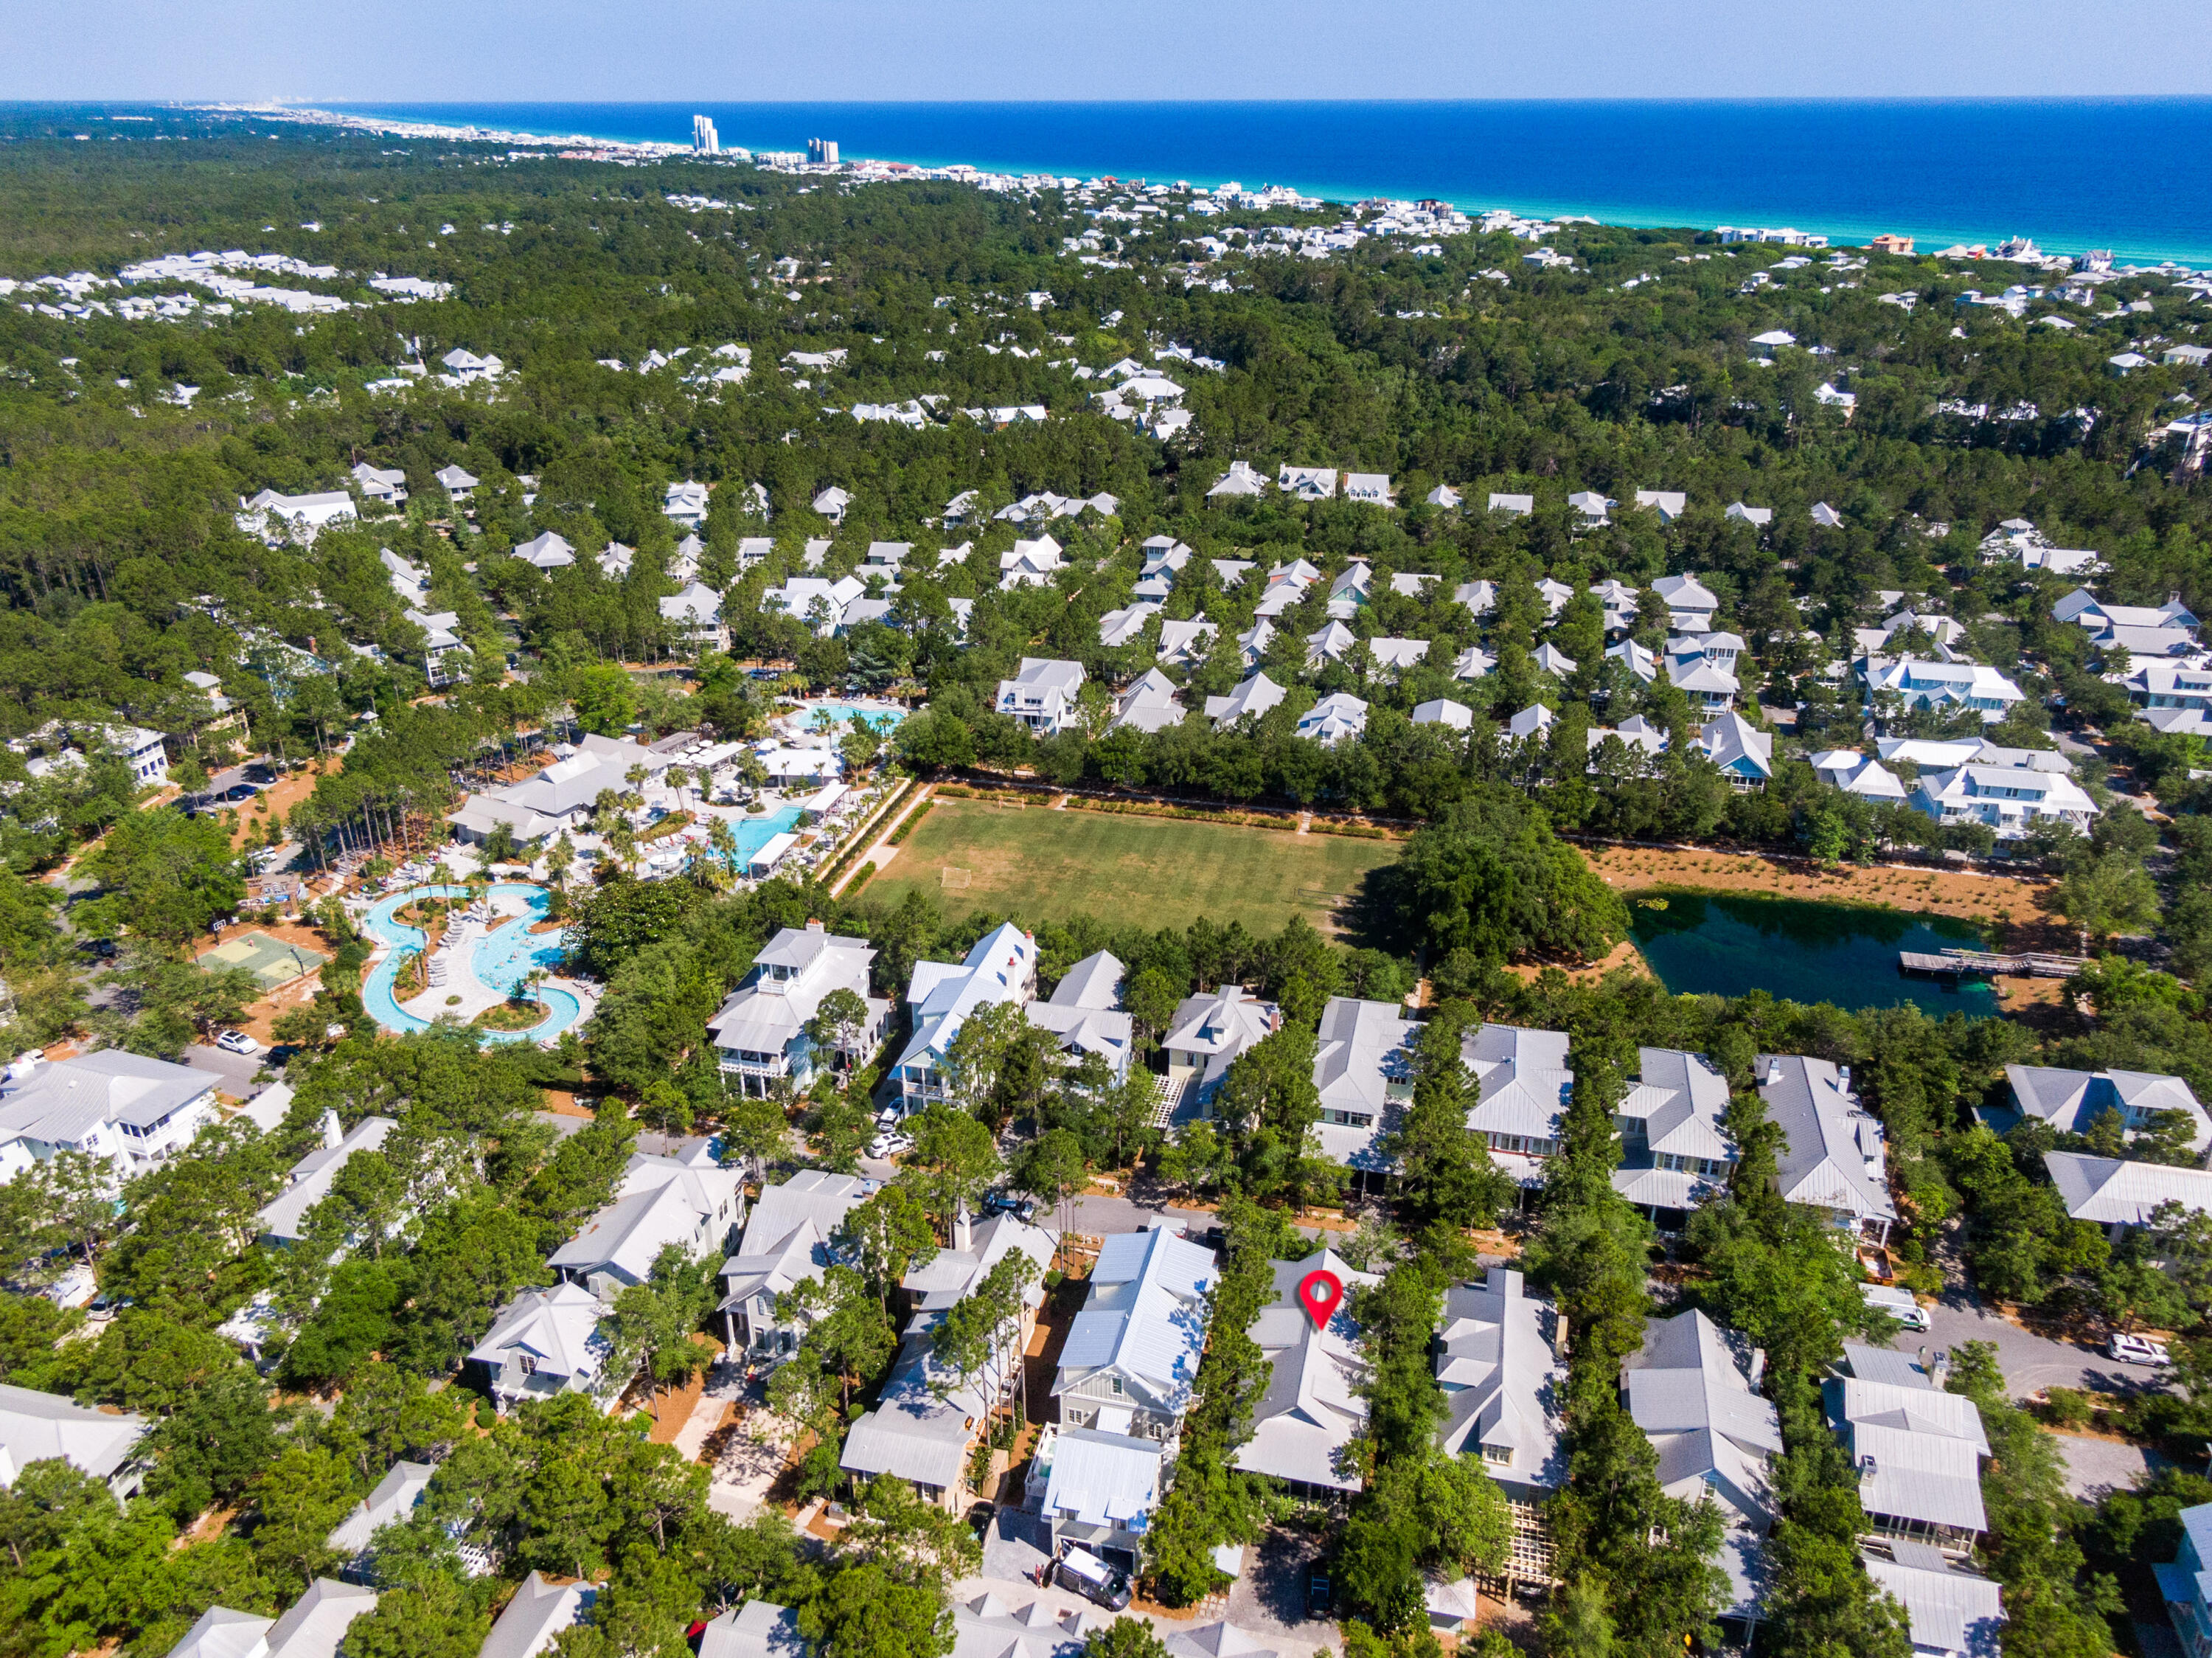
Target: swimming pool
[753,834]
[882,715]
[499,962]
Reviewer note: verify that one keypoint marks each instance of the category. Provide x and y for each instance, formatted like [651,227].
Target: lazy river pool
[499,961]
[1707,944]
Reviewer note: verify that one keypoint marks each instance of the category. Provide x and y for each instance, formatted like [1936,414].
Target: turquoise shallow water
[2073,173]
[1802,952]
[500,962]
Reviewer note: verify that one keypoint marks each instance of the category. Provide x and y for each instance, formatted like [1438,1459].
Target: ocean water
[2073,174]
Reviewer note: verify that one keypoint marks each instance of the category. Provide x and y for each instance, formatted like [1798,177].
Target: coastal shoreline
[2087,217]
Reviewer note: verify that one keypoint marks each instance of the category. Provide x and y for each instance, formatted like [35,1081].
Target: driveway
[2097,1466]
[236,1071]
[2031,1363]
[1268,1598]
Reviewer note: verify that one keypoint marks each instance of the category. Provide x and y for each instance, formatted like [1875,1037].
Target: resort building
[1676,1152]
[1505,1385]
[789,1238]
[1918,1449]
[1313,1407]
[1524,1085]
[1132,1354]
[1002,967]
[1835,1157]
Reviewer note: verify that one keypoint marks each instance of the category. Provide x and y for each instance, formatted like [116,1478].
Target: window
[1117,1386]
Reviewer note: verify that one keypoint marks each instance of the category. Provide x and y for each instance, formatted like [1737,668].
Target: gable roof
[1504,1384]
[285,1216]
[786,1236]
[62,1102]
[1313,1406]
[35,1427]
[1835,1154]
[539,1612]
[1145,1318]
[1522,1080]
[2110,1190]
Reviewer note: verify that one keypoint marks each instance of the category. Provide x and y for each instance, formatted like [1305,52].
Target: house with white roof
[694,619]
[1002,967]
[1132,1354]
[1670,504]
[1918,1450]
[686,504]
[1692,1389]
[1757,517]
[1374,488]
[1151,702]
[458,482]
[1744,753]
[1950,1611]
[545,1343]
[1308,483]
[661,1201]
[1099,1490]
[1030,563]
[758,1628]
[2071,1101]
[1916,683]
[832,503]
[1676,1149]
[1853,772]
[122,1109]
[1363,1072]
[1591,506]
[1836,1158]
[2123,1194]
[314,1626]
[1505,1377]
[789,1238]
[36,1427]
[1313,1407]
[2010,800]
[442,645]
[1042,695]
[1239,480]
[1444,711]
[269,513]
[1336,716]
[547,551]
[1251,698]
[1208,1032]
[283,1219]
[536,1616]
[760,1031]
[1125,625]
[1442,495]
[1519,506]
[1690,604]
[1523,1085]
[922,1428]
[394,1499]
[1531,723]
[386,485]
[1186,643]
[1084,1015]
[1941,755]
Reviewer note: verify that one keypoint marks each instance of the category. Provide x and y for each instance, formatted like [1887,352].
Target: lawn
[1040,864]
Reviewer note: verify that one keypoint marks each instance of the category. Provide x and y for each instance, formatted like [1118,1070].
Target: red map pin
[1322,1292]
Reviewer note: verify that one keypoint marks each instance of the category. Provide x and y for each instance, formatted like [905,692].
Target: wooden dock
[1985,963]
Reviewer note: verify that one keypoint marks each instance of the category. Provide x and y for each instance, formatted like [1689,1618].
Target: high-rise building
[705,140]
[823,152]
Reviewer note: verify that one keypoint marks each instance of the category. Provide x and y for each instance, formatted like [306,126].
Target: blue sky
[732,51]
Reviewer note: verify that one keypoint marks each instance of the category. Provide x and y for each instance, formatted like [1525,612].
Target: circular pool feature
[500,961]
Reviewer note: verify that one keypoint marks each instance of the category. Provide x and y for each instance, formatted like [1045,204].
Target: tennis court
[272,962]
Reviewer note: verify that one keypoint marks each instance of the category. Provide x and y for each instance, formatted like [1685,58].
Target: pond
[1710,944]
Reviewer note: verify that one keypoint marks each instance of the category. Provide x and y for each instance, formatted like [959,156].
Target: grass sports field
[1033,862]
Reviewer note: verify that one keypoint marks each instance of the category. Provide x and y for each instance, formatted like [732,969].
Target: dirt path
[2011,901]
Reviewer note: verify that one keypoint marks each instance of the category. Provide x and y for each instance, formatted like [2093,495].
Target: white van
[1086,1575]
[1898,1303]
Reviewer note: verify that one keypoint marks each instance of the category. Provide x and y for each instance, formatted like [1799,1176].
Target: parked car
[237,1042]
[2136,1350]
[1010,1202]
[1086,1575]
[890,1142]
[1320,1594]
[1898,1303]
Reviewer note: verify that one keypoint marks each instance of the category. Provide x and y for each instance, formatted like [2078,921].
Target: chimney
[332,1133]
[963,1232]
